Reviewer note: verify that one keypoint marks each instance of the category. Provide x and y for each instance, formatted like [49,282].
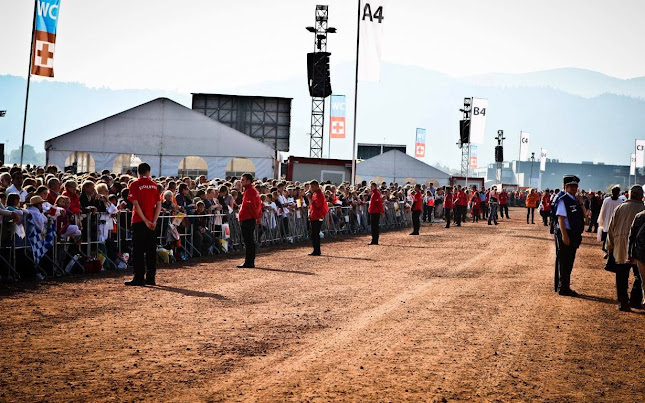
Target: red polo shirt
[418,202]
[376,203]
[462,199]
[318,207]
[448,201]
[145,191]
[251,204]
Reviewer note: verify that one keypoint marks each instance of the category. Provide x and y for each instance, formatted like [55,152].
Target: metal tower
[500,143]
[465,146]
[320,31]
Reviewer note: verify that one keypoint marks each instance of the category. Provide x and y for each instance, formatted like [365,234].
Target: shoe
[414,233]
[372,243]
[135,283]
[636,305]
[568,293]
[457,225]
[624,306]
[151,281]
[532,223]
[315,254]
[245,266]
[490,224]
[496,223]
[446,226]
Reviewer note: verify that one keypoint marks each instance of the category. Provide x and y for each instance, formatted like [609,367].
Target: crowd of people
[94,207]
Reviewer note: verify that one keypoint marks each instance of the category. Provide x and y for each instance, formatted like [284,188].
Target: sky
[213,45]
[220,46]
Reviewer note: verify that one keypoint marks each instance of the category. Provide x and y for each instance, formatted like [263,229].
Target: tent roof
[161,126]
[396,163]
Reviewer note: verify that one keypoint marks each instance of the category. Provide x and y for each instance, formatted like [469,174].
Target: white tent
[162,133]
[395,166]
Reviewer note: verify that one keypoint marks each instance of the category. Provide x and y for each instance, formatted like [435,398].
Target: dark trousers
[492,214]
[447,212]
[248,234]
[416,222]
[622,284]
[565,257]
[144,251]
[503,208]
[545,217]
[460,214]
[475,213]
[485,210]
[593,222]
[425,212]
[603,238]
[315,235]
[374,224]
[530,211]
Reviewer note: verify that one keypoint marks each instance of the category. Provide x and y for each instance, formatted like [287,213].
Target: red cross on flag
[44,42]
[337,121]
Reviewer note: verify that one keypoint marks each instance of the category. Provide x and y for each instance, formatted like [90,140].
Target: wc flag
[420,144]
[337,117]
[42,58]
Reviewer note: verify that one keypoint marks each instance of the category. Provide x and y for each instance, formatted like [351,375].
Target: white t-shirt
[23,193]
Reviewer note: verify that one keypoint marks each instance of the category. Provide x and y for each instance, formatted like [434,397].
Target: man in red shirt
[144,196]
[376,210]
[448,206]
[461,203]
[503,203]
[250,214]
[417,208]
[317,213]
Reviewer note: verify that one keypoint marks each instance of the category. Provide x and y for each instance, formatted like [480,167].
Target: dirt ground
[465,314]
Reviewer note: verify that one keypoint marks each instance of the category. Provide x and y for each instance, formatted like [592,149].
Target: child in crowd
[64,223]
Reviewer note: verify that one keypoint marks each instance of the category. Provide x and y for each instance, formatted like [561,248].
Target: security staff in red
[417,209]
[317,213]
[461,203]
[503,204]
[448,206]
[144,195]
[249,216]
[376,210]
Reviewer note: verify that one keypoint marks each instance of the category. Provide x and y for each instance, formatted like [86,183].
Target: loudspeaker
[1,154]
[499,154]
[464,131]
[318,74]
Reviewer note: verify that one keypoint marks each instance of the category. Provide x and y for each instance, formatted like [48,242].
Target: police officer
[568,234]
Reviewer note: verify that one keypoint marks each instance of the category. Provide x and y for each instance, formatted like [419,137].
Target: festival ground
[464,314]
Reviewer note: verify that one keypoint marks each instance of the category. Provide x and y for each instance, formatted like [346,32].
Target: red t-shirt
[376,203]
[462,199]
[145,191]
[318,207]
[251,205]
[418,202]
[449,201]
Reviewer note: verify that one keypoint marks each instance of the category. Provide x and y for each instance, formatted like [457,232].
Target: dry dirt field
[465,314]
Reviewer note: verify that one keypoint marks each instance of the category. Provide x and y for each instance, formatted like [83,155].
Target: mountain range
[578,115]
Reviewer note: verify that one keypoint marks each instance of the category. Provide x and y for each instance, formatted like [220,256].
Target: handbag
[610,266]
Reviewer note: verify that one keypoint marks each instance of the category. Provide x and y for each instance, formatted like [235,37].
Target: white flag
[524,145]
[372,16]
[542,159]
[632,164]
[478,114]
[640,153]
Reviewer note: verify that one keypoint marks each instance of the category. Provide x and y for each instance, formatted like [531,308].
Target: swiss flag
[420,151]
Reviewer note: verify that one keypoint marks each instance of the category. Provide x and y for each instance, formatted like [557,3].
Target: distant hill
[576,114]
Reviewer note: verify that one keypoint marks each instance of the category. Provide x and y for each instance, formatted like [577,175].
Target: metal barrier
[222,233]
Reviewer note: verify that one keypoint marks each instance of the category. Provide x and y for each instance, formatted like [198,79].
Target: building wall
[303,172]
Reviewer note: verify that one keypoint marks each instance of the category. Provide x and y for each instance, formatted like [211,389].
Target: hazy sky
[200,45]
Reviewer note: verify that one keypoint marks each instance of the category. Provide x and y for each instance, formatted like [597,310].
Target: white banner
[372,15]
[524,146]
[632,164]
[478,114]
[640,153]
[542,159]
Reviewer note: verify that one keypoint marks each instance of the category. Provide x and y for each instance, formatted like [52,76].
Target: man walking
[144,196]
[448,206]
[503,204]
[249,217]
[317,213]
[618,246]
[568,234]
[375,210]
[493,199]
[461,204]
[417,208]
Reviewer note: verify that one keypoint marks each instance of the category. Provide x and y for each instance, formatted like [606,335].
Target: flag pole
[31,61]
[519,161]
[358,42]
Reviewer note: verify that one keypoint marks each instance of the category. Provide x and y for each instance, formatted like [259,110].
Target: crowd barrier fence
[182,236]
